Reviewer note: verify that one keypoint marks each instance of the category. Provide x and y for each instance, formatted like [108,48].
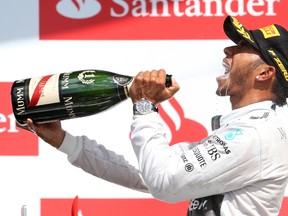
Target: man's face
[239,65]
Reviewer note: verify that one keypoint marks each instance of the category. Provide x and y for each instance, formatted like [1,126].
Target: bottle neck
[127,88]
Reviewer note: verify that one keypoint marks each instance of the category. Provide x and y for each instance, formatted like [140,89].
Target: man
[243,168]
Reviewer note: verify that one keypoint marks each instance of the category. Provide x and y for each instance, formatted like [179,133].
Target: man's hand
[51,132]
[151,85]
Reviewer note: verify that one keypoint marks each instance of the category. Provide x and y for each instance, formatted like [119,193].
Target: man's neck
[249,99]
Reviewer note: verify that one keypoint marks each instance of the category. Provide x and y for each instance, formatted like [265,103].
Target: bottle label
[122,80]
[87,77]
[44,90]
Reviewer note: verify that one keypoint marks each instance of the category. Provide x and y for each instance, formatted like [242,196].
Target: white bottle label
[44,90]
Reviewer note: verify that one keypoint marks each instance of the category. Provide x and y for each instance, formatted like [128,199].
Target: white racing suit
[240,169]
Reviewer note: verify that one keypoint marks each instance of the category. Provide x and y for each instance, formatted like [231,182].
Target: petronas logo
[87,77]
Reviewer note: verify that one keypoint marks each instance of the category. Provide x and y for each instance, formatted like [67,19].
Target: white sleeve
[222,162]
[100,162]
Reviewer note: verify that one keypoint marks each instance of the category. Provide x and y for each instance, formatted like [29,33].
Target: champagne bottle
[69,95]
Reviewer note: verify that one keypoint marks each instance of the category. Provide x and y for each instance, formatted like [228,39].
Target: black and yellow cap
[271,41]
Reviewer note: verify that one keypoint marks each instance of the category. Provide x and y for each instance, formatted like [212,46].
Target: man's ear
[267,73]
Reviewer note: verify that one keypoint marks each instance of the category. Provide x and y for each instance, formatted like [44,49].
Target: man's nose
[229,51]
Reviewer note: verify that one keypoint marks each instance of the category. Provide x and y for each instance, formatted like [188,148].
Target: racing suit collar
[235,114]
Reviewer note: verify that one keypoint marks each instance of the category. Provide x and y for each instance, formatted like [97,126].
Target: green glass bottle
[68,95]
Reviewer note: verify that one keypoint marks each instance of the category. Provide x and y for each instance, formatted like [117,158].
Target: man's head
[260,56]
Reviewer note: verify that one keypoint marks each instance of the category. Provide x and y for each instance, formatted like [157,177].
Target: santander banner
[107,207]
[119,207]
[152,19]
[14,141]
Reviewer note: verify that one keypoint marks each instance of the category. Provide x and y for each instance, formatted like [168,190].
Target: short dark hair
[279,92]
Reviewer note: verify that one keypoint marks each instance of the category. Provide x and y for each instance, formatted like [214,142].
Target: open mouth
[226,67]
[226,72]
